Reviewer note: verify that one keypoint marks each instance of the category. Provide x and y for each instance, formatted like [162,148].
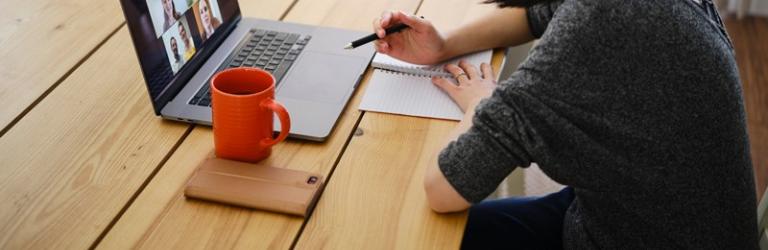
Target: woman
[635,105]
[210,23]
[169,13]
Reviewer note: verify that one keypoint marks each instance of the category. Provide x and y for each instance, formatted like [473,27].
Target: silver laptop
[182,43]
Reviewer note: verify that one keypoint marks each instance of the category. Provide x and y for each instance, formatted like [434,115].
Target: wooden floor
[750,38]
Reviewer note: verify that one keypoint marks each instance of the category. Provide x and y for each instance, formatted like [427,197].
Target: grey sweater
[637,105]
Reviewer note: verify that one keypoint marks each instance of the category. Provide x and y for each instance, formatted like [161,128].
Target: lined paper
[403,88]
[397,93]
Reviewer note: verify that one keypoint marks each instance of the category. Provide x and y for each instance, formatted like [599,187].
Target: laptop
[181,44]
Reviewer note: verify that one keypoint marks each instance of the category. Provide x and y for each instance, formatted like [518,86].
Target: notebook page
[383,61]
[390,92]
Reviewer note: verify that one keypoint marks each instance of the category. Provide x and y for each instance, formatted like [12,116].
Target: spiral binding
[421,72]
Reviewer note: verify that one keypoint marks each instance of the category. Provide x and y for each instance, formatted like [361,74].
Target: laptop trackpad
[322,77]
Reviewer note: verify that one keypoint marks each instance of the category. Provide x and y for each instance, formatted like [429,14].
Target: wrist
[473,104]
[449,46]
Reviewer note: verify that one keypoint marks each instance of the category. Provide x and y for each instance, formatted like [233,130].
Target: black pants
[518,223]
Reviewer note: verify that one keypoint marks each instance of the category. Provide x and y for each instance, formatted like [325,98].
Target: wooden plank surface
[41,40]
[132,229]
[162,218]
[72,163]
[750,35]
[346,14]
[376,199]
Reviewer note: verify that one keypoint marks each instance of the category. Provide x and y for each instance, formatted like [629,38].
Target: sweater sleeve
[483,156]
[636,105]
[535,115]
[539,16]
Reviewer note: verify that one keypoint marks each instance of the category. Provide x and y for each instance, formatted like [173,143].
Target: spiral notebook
[402,88]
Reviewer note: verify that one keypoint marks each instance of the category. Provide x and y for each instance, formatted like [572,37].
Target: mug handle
[285,122]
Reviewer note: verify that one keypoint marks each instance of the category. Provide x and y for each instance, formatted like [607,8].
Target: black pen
[374,37]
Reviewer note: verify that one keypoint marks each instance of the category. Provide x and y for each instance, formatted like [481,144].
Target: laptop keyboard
[272,51]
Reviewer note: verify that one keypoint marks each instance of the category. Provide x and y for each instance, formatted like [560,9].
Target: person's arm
[503,27]
[472,88]
[423,44]
[442,195]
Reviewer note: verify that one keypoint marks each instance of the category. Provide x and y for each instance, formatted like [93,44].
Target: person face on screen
[206,17]
[170,10]
[175,49]
[184,37]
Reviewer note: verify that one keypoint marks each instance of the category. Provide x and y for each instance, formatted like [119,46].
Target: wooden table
[85,163]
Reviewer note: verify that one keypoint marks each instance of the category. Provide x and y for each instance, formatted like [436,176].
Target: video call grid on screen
[171,21]
[156,54]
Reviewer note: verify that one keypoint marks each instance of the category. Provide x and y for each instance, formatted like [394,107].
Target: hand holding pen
[418,42]
[375,36]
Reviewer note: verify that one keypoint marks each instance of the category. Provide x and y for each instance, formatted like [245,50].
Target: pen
[374,37]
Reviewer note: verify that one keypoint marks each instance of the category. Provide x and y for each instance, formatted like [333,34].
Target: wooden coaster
[248,185]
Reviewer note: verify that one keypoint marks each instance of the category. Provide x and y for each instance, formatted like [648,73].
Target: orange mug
[242,102]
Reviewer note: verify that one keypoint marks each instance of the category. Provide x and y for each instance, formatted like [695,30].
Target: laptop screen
[173,37]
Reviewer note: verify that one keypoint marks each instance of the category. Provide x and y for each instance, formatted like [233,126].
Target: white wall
[756,8]
[759,7]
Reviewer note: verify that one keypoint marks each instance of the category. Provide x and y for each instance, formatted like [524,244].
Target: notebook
[399,87]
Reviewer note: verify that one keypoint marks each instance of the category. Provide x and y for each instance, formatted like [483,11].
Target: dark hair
[515,3]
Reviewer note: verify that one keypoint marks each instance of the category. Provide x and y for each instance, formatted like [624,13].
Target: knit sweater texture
[637,105]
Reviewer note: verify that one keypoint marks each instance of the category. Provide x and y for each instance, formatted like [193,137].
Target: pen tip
[349,46]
